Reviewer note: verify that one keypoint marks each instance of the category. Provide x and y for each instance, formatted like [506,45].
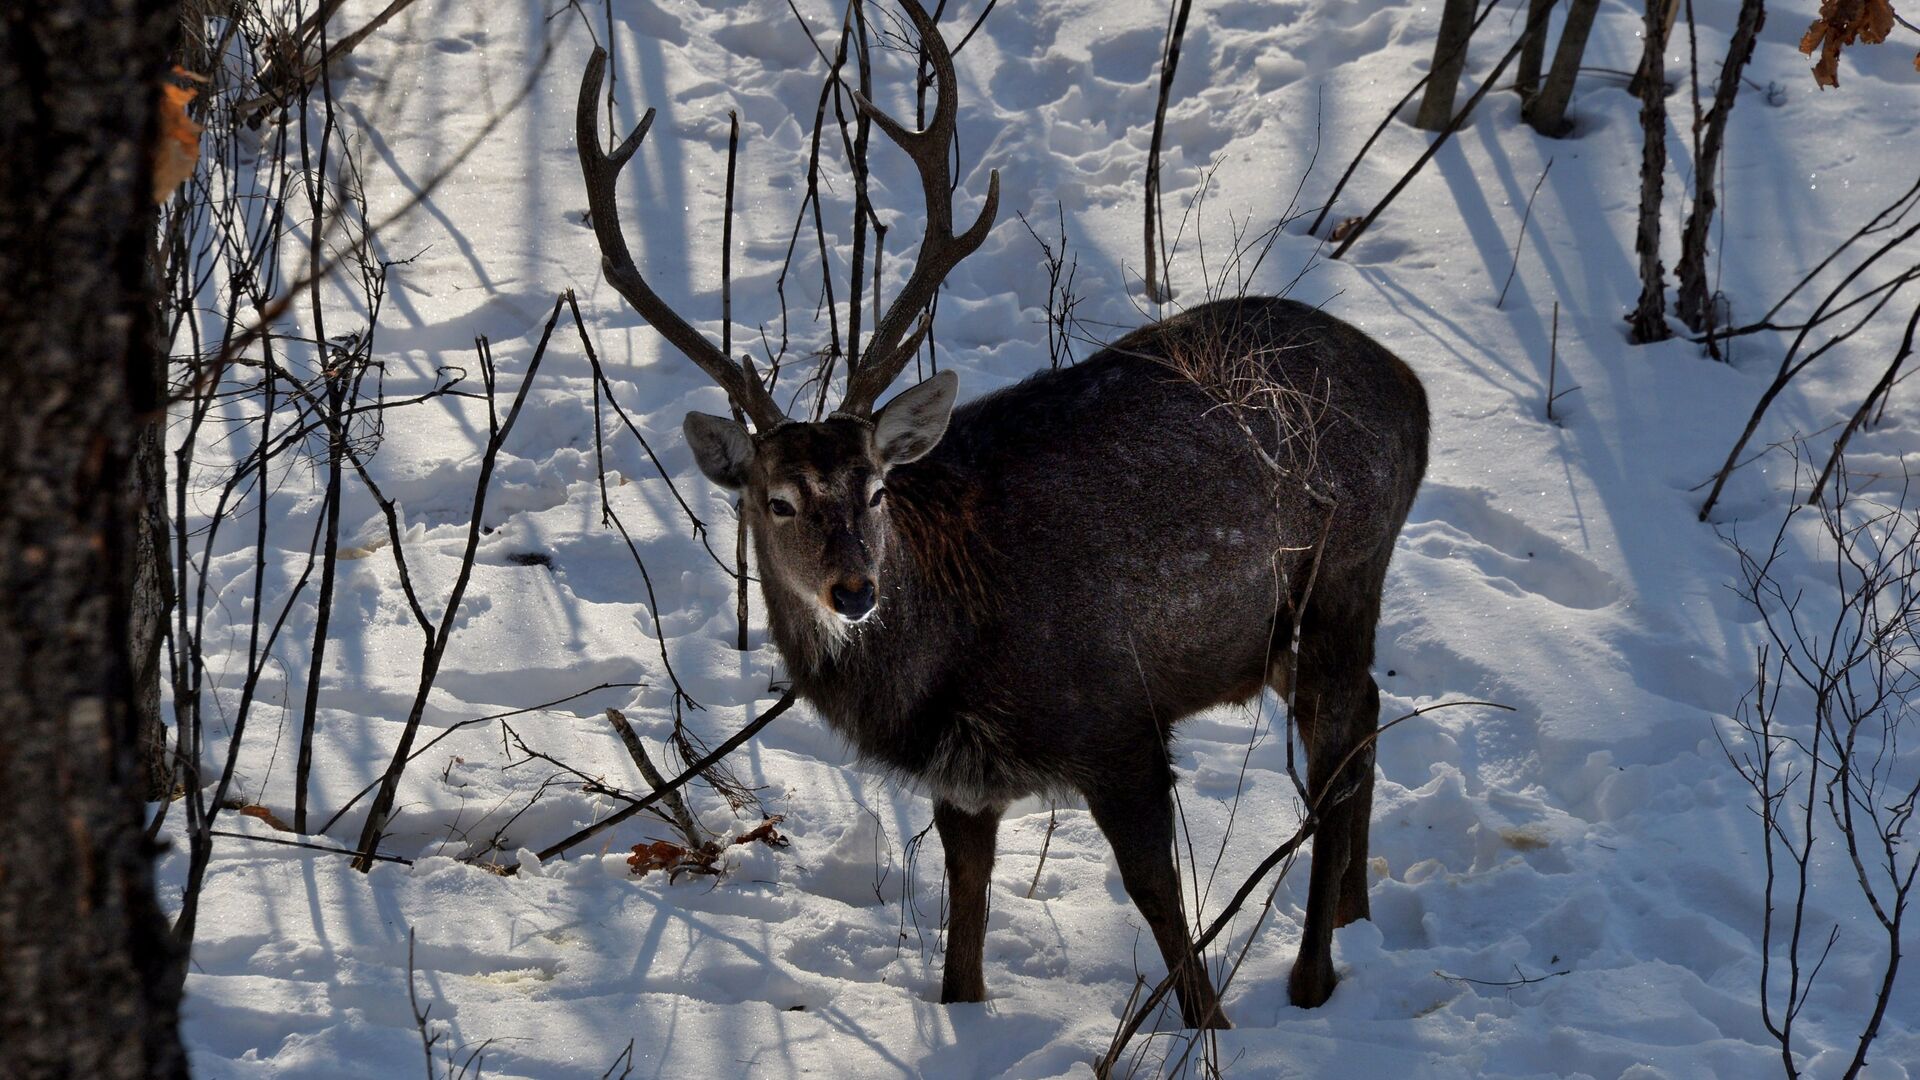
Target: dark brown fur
[936,514]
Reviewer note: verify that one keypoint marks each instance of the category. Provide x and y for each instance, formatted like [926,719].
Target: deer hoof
[1310,985]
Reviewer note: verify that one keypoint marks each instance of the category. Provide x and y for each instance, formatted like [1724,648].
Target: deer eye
[780,507]
[878,495]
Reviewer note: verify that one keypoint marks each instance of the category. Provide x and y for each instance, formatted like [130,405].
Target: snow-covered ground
[1557,568]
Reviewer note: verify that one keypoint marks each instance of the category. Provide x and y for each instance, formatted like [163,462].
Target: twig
[337,385]
[1553,366]
[210,371]
[1888,217]
[698,767]
[419,1016]
[1158,290]
[1053,822]
[302,82]
[439,637]
[676,805]
[1521,240]
[1880,390]
[282,841]
[1521,978]
[623,1060]
[698,526]
[451,728]
[726,347]
[1789,367]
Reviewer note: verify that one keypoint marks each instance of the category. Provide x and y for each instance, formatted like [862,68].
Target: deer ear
[721,448]
[914,420]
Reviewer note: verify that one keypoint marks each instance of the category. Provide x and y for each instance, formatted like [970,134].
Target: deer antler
[940,250]
[600,169]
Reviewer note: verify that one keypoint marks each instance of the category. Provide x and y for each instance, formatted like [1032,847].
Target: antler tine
[600,170]
[940,250]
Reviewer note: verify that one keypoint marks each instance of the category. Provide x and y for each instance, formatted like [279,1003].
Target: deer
[1023,594]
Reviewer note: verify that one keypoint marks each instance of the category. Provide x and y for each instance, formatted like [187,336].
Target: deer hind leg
[1136,814]
[969,839]
[1337,706]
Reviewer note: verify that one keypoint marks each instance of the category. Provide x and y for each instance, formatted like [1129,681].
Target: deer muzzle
[853,597]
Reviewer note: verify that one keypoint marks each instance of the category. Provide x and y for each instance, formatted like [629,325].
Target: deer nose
[853,598]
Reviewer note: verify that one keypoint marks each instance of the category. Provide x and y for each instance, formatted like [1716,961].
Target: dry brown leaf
[764,833]
[676,858]
[177,147]
[267,816]
[1842,23]
[659,855]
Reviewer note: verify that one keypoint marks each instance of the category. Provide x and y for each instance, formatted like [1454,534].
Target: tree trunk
[1547,110]
[1649,318]
[1449,59]
[89,979]
[1526,78]
[152,585]
[1694,303]
[1668,13]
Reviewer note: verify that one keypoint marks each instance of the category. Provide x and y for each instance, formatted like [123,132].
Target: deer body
[1106,564]
[1025,596]
[1084,559]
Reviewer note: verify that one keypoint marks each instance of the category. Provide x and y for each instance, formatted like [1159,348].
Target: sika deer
[1024,594]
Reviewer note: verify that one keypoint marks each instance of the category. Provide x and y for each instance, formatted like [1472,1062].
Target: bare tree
[1449,59]
[1649,318]
[1526,79]
[1819,744]
[1694,303]
[1669,12]
[89,985]
[1536,25]
[1546,110]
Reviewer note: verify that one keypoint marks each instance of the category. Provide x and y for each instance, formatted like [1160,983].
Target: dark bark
[152,589]
[1526,78]
[1669,11]
[1694,303]
[1449,59]
[1547,109]
[1649,318]
[89,980]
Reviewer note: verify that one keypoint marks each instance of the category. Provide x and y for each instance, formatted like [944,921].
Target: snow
[1556,568]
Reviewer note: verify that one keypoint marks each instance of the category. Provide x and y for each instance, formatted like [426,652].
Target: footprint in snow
[1460,523]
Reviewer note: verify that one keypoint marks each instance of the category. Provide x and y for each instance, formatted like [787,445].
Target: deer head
[816,494]
[813,493]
